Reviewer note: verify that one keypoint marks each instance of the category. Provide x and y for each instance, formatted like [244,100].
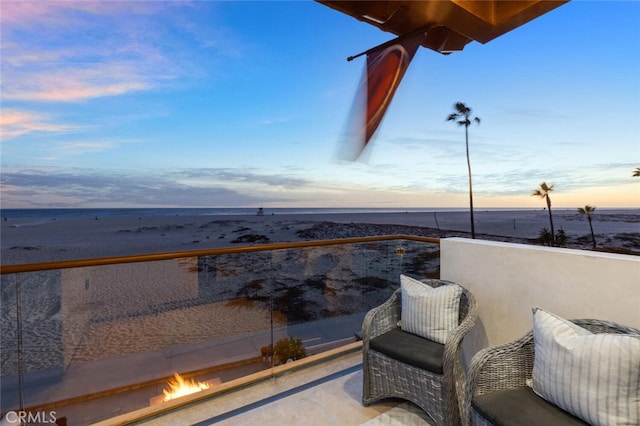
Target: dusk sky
[244,104]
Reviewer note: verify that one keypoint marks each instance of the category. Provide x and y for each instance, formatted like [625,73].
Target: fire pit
[179,386]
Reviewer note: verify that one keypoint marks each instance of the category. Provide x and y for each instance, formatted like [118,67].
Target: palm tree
[462,116]
[588,211]
[636,172]
[543,192]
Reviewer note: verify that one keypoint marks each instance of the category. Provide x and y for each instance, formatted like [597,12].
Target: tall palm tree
[636,172]
[543,192]
[461,116]
[588,211]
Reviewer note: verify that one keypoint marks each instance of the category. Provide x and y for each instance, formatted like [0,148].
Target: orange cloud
[14,123]
[73,84]
[73,91]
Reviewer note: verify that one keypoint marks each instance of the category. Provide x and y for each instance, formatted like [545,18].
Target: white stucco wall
[507,280]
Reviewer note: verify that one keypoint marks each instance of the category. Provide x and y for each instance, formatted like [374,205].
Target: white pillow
[427,311]
[595,377]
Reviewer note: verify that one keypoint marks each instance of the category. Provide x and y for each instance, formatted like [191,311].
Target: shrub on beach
[289,348]
[547,239]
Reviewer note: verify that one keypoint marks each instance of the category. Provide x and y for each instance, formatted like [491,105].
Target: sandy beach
[44,239]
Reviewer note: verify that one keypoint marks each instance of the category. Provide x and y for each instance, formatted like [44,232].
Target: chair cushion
[427,311]
[521,407]
[595,377]
[410,349]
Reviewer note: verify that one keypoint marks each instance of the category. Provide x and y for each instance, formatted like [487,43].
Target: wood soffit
[455,23]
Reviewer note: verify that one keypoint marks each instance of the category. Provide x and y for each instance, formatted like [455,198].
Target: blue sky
[244,104]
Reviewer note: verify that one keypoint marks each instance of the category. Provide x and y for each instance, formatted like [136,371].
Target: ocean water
[240,211]
[244,211]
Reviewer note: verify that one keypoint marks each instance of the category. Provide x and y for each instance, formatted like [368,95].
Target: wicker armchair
[507,367]
[439,393]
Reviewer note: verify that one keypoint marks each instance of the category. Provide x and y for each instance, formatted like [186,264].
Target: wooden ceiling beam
[455,23]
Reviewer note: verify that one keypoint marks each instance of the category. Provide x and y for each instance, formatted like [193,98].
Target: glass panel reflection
[85,340]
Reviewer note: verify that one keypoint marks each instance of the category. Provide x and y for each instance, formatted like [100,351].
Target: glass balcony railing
[91,339]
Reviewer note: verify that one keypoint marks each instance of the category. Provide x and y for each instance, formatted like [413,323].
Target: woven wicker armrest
[470,316]
[382,319]
[452,362]
[501,367]
[454,374]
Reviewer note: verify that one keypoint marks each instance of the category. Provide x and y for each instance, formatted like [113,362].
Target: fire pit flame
[180,387]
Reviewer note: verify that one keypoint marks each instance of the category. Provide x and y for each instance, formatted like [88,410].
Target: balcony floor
[327,393]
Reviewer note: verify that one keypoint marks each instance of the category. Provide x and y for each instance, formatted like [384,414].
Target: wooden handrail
[79,263]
